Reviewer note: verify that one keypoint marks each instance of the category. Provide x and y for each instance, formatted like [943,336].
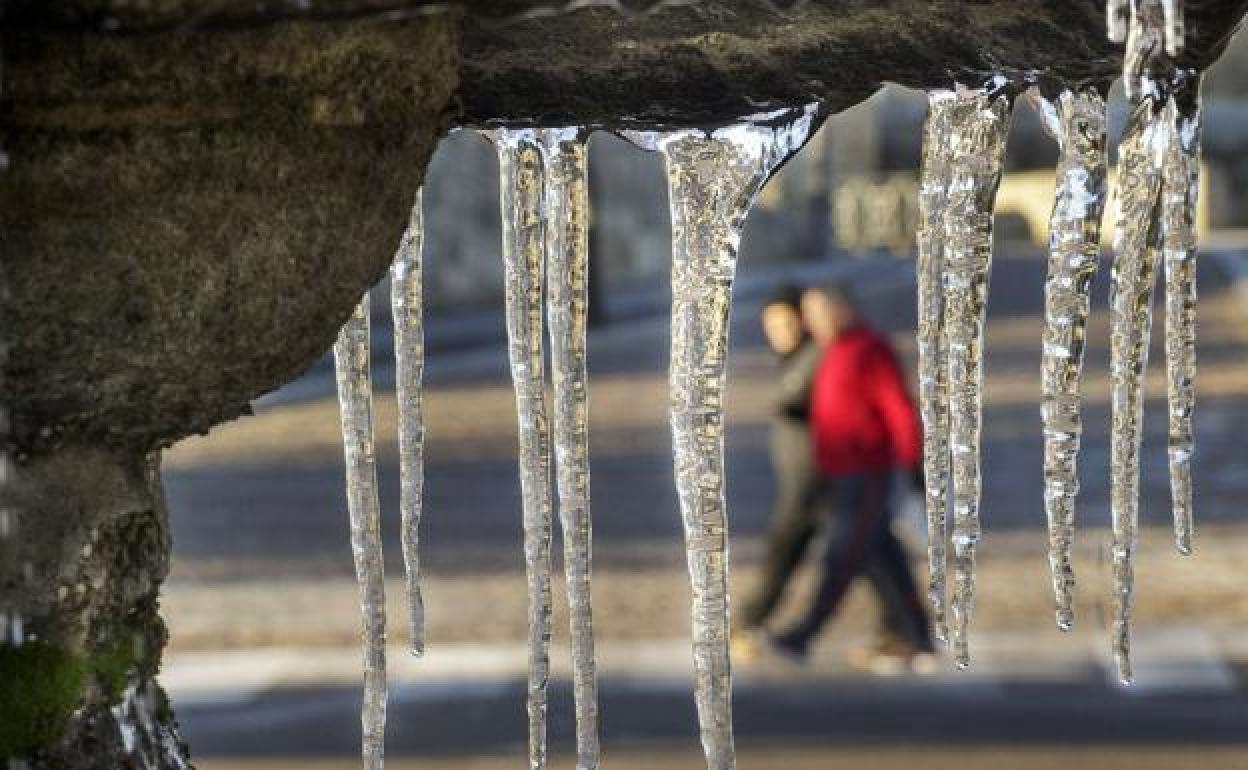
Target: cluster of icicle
[1157,182]
[713,178]
[351,356]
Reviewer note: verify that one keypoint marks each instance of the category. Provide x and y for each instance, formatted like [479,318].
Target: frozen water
[355,398]
[1158,165]
[1078,124]
[567,253]
[712,179]
[933,356]
[521,198]
[1180,186]
[1136,247]
[407,305]
[978,122]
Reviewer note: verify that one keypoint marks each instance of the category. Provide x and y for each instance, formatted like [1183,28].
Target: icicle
[567,250]
[521,202]
[407,306]
[1131,315]
[1144,231]
[355,398]
[1077,122]
[933,363]
[1180,185]
[1172,11]
[1117,16]
[712,179]
[978,124]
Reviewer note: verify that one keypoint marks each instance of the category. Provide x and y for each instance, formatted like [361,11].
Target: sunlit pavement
[1054,698]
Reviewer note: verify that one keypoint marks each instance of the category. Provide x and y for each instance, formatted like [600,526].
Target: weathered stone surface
[709,62]
[196,198]
[188,217]
[84,574]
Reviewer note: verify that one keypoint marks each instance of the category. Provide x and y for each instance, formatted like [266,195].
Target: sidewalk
[1030,700]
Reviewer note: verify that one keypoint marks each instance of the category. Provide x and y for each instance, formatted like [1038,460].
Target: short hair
[837,292]
[788,294]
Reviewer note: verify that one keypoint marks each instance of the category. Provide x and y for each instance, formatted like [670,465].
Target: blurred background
[263,662]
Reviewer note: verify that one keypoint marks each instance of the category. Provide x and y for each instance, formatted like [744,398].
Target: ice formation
[933,356]
[1076,119]
[712,179]
[521,201]
[567,274]
[1158,164]
[355,398]
[407,305]
[963,159]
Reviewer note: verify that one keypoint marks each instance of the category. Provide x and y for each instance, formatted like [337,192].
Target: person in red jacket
[864,427]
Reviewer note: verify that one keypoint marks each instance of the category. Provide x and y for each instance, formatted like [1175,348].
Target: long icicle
[1077,122]
[355,398]
[521,198]
[407,306]
[933,364]
[1137,246]
[978,125]
[567,253]
[1180,187]
[712,180]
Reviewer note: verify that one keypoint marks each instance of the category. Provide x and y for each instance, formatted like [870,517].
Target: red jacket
[861,416]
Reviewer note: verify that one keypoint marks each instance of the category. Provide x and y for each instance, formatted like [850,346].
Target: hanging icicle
[933,356]
[712,179]
[1158,167]
[521,197]
[979,121]
[567,276]
[355,398]
[407,306]
[1180,187]
[1077,122]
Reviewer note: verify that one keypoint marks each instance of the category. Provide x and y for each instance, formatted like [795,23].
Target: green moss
[42,685]
[113,666]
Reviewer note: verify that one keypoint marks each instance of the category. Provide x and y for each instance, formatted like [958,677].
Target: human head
[827,311]
[782,320]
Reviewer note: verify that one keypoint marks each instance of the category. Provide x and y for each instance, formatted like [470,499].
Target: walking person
[793,522]
[797,518]
[864,427]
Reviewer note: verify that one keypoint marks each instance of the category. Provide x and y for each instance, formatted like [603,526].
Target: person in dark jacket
[793,522]
[864,427]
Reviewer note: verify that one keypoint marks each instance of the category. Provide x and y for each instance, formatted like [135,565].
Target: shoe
[789,648]
[746,645]
[892,657]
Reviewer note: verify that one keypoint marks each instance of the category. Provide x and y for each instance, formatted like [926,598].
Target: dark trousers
[794,520]
[860,541]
